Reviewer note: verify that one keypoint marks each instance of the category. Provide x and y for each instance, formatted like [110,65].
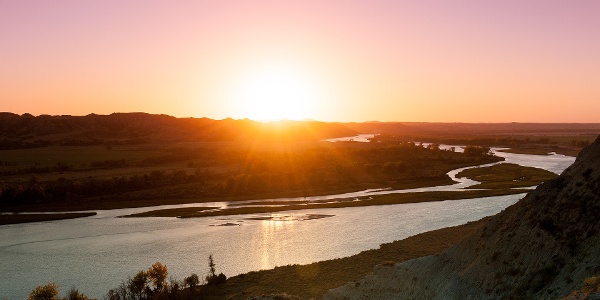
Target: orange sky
[457,61]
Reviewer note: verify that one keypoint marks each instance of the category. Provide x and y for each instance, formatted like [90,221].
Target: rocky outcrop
[543,247]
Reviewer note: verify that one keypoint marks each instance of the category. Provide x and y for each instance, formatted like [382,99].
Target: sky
[349,61]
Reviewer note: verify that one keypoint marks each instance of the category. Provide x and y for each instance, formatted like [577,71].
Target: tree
[477,151]
[191,281]
[74,294]
[212,278]
[137,284]
[158,276]
[211,266]
[120,293]
[44,292]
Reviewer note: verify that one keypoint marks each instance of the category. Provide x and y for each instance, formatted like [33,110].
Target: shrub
[592,281]
[44,292]
[158,275]
[137,285]
[214,280]
[191,281]
[74,294]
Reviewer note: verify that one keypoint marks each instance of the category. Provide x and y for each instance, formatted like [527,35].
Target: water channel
[96,253]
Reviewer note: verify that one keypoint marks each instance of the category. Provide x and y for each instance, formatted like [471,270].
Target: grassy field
[506,176]
[78,155]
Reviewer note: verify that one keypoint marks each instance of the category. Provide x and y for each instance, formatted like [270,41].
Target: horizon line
[294,120]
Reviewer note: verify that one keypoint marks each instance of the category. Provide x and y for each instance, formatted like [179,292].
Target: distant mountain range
[543,247]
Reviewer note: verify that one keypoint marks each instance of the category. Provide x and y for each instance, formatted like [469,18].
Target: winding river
[96,253]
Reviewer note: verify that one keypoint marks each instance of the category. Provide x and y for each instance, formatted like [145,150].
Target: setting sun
[276,93]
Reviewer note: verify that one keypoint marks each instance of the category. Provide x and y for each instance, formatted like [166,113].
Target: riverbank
[313,280]
[17,218]
[389,199]
[106,203]
[506,176]
[503,178]
[545,149]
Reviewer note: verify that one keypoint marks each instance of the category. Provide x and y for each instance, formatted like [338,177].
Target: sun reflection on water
[272,239]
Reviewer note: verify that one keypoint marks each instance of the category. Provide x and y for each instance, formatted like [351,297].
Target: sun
[276,93]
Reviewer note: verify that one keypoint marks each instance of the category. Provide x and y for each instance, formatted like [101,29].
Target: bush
[44,292]
[215,280]
[74,294]
[477,151]
[592,282]
[138,285]
[157,274]
[191,281]
[212,278]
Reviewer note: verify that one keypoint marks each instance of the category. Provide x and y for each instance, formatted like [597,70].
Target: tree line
[151,284]
[35,191]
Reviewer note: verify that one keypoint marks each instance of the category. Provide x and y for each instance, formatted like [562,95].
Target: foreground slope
[542,247]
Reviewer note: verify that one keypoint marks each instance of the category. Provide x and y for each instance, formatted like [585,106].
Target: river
[95,254]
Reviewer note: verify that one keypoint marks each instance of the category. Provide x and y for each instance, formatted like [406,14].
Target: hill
[475,129]
[27,131]
[543,247]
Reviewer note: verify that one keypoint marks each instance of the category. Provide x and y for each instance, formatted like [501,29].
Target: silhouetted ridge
[543,247]
[29,131]
[452,129]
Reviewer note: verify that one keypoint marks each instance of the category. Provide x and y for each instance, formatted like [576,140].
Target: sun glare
[276,93]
